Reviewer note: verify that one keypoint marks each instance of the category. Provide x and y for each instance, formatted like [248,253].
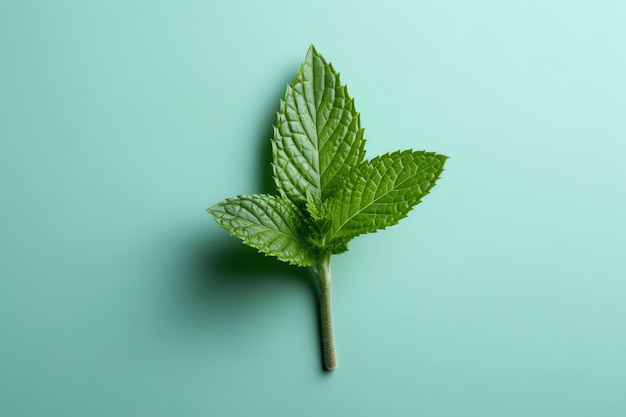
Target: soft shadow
[223,265]
[265,175]
[229,281]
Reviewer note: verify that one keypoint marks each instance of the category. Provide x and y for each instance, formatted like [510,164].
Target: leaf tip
[213,210]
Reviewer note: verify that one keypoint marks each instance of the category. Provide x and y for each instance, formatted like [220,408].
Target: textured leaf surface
[318,136]
[268,223]
[382,191]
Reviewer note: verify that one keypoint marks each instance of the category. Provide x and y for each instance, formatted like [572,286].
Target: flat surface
[503,294]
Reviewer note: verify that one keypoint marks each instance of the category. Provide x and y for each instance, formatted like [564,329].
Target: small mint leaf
[318,136]
[339,246]
[382,191]
[267,223]
[315,207]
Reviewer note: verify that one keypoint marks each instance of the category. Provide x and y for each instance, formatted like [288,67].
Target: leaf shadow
[230,282]
[265,175]
[225,267]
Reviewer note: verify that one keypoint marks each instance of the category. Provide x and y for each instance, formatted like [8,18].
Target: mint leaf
[318,135]
[327,193]
[382,191]
[268,223]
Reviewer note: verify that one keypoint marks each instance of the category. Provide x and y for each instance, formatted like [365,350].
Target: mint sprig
[328,193]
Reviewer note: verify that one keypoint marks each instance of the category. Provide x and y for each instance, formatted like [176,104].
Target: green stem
[322,273]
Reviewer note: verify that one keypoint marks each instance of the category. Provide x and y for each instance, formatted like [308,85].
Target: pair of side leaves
[327,192]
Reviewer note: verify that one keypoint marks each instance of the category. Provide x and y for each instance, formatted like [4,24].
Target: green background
[503,294]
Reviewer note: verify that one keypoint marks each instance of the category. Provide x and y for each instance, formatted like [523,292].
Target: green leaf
[318,136]
[268,223]
[382,191]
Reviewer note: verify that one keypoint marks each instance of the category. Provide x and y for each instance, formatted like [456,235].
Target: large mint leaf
[318,136]
[268,223]
[382,191]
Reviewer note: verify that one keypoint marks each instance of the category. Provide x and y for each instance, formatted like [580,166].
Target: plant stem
[321,271]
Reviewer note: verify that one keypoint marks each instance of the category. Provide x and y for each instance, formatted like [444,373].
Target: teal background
[503,294]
